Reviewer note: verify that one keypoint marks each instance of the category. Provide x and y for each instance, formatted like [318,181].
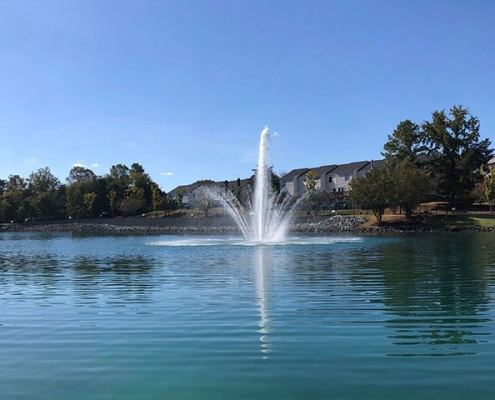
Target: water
[216,317]
[267,217]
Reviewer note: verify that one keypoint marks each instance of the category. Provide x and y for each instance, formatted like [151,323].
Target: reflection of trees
[124,279]
[43,275]
[437,287]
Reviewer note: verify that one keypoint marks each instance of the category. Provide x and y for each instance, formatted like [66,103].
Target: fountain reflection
[262,279]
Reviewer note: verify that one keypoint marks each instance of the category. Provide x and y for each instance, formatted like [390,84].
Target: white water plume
[267,216]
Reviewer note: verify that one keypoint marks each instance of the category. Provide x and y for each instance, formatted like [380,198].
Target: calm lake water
[213,317]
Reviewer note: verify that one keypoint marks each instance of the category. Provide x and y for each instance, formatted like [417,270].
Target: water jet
[266,218]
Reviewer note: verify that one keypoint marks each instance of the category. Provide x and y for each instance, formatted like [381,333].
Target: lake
[213,317]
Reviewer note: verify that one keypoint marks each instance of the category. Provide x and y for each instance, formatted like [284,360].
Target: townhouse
[330,178]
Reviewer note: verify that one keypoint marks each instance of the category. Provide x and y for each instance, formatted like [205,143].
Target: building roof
[294,173]
[323,170]
[374,164]
[350,167]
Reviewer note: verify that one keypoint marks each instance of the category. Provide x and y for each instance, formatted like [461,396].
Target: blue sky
[184,87]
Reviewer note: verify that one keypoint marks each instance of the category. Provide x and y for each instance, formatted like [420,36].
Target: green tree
[168,205]
[372,192]
[45,194]
[410,186]
[140,179]
[80,174]
[455,152]
[81,180]
[133,201]
[43,181]
[404,145]
[112,201]
[89,200]
[118,180]
[15,206]
[489,181]
[156,197]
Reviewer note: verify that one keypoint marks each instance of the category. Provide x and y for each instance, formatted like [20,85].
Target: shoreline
[223,225]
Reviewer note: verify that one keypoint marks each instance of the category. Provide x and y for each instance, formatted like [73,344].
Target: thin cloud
[166,173]
[95,165]
[275,134]
[79,165]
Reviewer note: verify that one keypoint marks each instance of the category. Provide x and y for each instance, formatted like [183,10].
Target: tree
[15,182]
[311,197]
[168,205]
[80,174]
[140,179]
[133,201]
[456,152]
[489,181]
[202,197]
[89,200]
[43,181]
[15,205]
[372,191]
[405,144]
[310,180]
[81,181]
[45,194]
[157,196]
[112,201]
[410,187]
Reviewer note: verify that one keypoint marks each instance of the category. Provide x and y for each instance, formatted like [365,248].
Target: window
[329,179]
[347,177]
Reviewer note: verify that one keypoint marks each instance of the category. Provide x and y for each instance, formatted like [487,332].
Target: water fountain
[267,217]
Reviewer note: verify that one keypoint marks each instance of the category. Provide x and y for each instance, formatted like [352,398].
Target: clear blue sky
[184,87]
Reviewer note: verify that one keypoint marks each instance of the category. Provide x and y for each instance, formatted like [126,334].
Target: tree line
[443,158]
[123,191]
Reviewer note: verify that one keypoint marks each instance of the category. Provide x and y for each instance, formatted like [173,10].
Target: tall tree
[456,152]
[44,194]
[112,201]
[89,201]
[43,181]
[404,145]
[81,181]
[79,174]
[140,179]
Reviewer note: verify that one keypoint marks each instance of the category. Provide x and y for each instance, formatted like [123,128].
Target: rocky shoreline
[176,225]
[220,225]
